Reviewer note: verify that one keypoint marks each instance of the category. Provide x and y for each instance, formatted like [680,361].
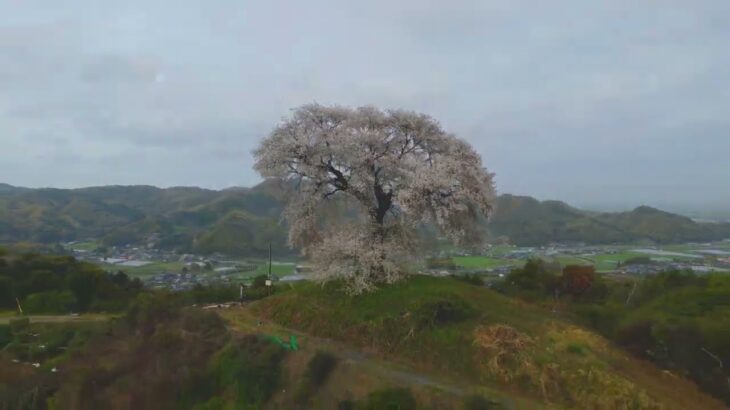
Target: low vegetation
[677,320]
[61,285]
[160,355]
[447,326]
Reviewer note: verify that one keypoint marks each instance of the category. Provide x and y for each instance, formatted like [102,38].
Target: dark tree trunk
[385,201]
[378,213]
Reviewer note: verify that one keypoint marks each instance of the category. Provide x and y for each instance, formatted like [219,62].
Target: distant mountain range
[242,221]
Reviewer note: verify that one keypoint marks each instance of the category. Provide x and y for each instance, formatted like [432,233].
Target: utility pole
[269,260]
[269,283]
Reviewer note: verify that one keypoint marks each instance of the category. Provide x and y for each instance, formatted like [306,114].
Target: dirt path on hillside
[4,320]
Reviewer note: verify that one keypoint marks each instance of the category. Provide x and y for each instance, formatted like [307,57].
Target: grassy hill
[238,220]
[448,327]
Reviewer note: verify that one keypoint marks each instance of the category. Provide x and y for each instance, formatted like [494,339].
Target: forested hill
[243,221]
[527,221]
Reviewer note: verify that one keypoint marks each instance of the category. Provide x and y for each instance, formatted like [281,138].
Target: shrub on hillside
[247,372]
[534,276]
[442,312]
[602,317]
[149,309]
[582,283]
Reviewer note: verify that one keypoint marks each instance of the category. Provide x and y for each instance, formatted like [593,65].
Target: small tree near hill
[399,169]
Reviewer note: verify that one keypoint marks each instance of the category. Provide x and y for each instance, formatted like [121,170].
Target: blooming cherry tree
[399,169]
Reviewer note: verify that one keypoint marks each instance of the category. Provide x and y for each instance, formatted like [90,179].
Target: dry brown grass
[500,347]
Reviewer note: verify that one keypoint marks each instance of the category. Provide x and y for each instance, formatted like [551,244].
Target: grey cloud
[118,69]
[581,101]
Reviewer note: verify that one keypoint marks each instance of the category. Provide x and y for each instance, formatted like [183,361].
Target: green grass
[278,269]
[573,260]
[551,364]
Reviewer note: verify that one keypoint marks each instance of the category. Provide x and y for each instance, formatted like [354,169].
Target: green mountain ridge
[241,220]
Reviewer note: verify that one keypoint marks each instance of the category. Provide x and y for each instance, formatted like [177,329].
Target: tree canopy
[399,169]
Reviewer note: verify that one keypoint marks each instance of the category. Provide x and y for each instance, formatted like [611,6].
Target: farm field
[609,261]
[278,269]
[483,262]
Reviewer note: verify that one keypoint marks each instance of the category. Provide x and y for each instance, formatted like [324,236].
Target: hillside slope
[453,328]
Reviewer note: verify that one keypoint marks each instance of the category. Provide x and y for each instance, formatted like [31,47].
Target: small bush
[443,312]
[248,371]
[259,281]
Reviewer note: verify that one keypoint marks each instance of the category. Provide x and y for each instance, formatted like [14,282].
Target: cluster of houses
[129,256]
[175,281]
[658,267]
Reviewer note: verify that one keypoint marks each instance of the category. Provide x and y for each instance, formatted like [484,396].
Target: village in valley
[161,269]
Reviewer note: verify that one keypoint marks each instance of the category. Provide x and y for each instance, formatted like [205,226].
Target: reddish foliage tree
[577,279]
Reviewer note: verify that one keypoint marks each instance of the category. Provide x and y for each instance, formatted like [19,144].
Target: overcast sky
[594,102]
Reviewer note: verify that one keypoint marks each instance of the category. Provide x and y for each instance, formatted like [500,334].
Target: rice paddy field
[608,260]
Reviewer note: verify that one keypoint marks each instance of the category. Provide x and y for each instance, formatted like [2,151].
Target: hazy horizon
[612,105]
